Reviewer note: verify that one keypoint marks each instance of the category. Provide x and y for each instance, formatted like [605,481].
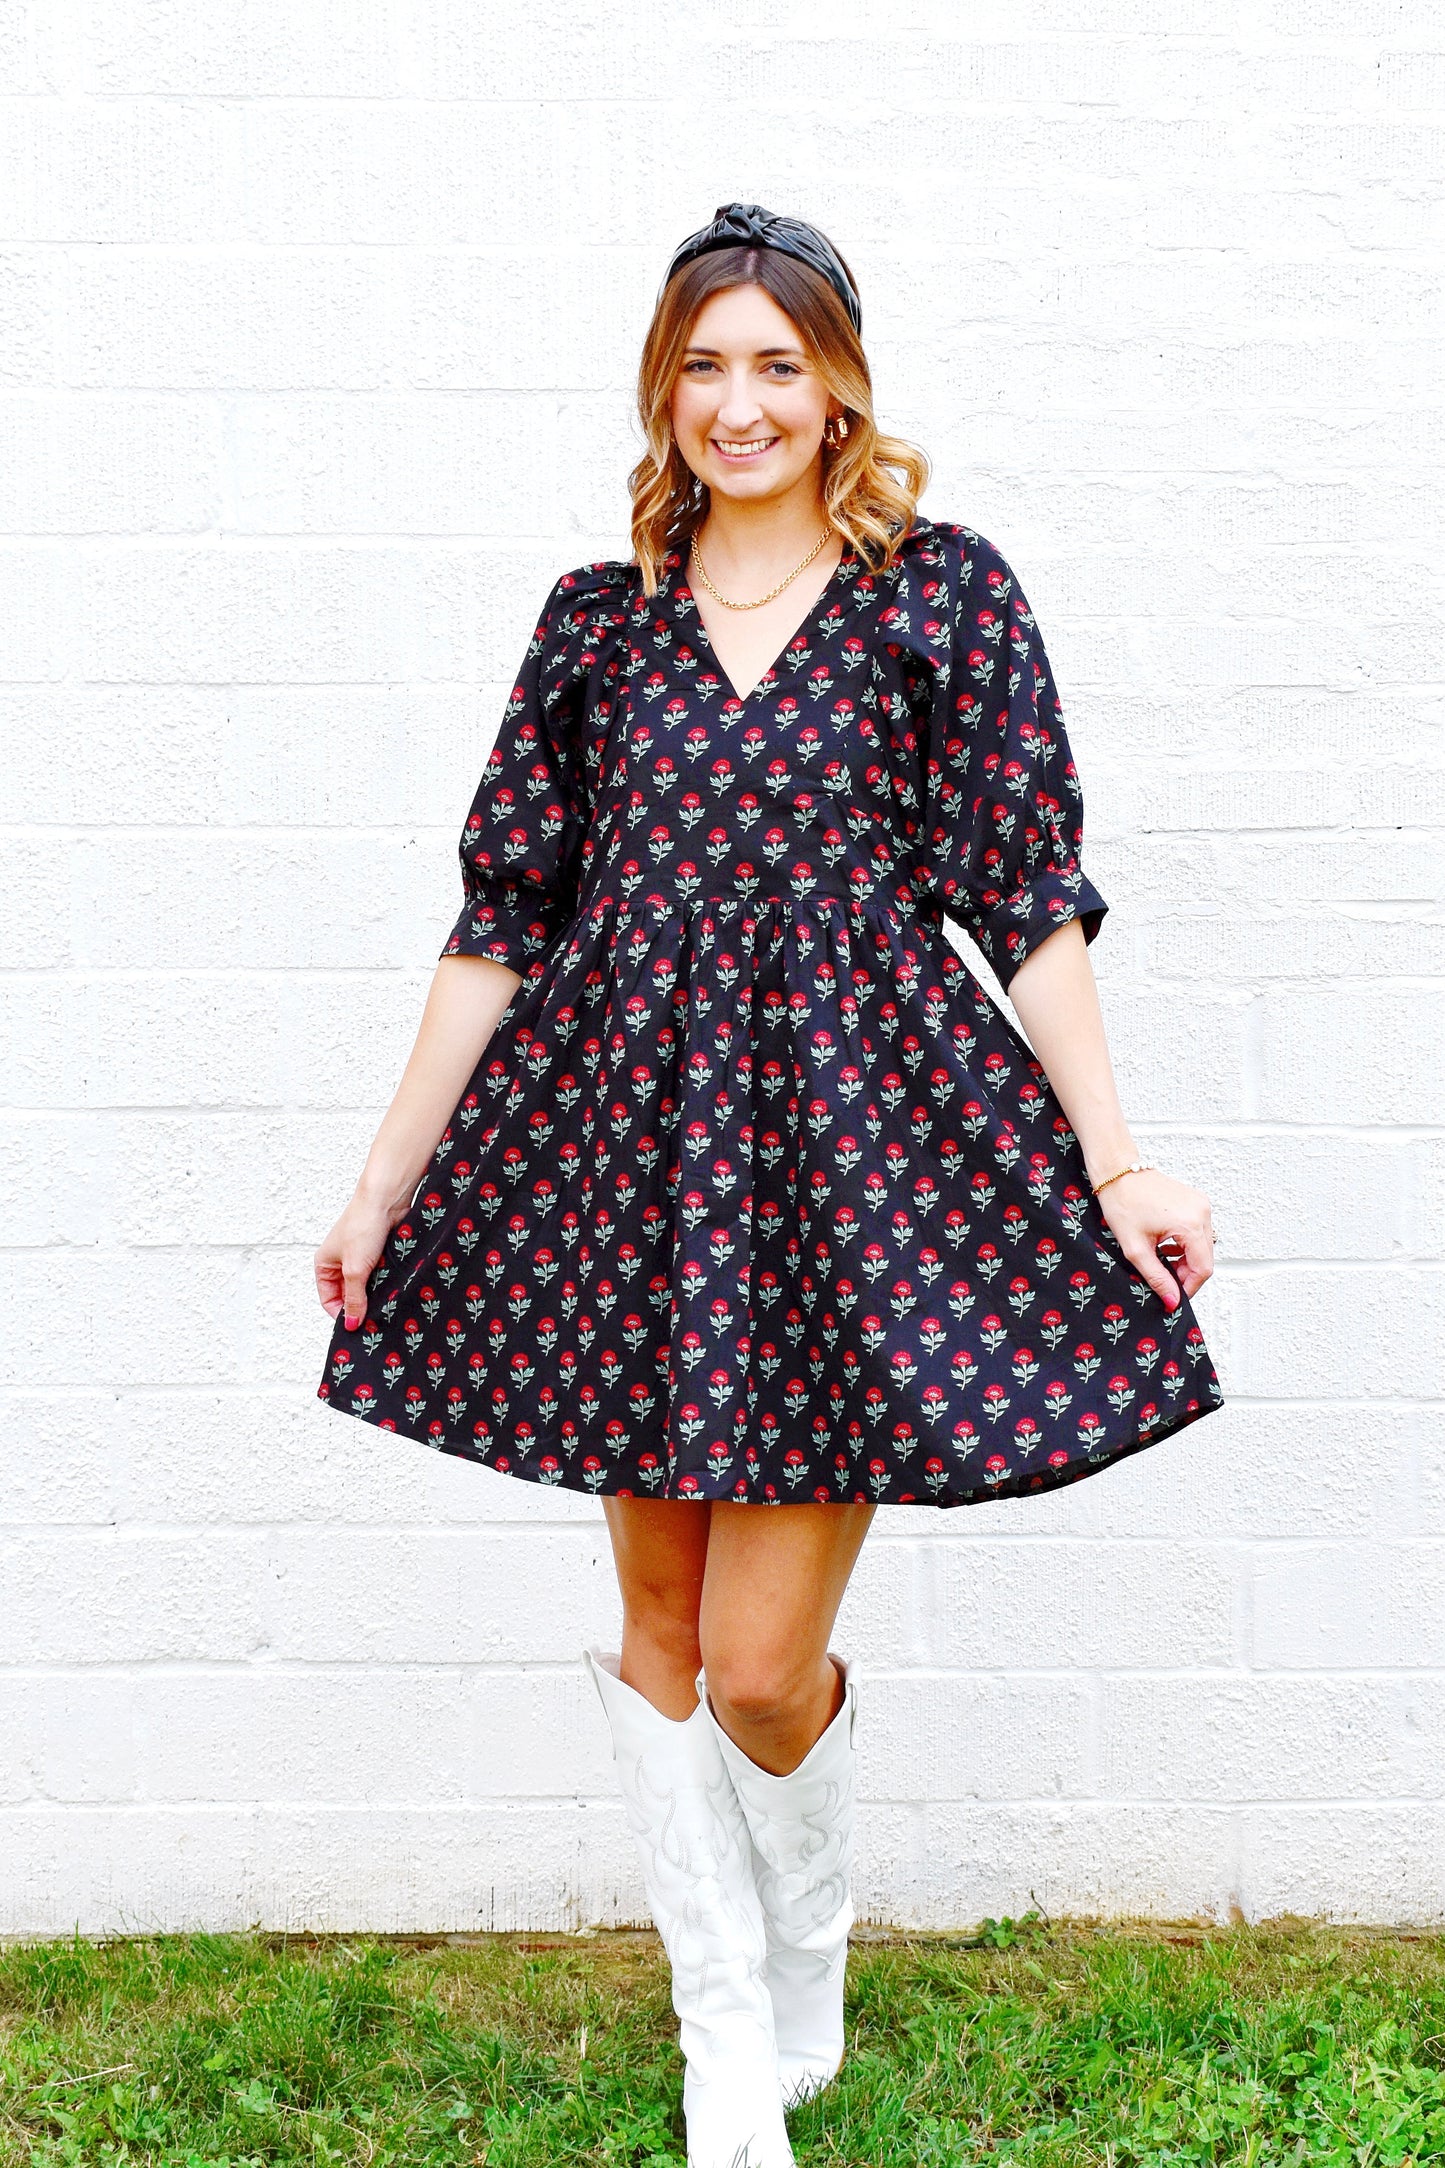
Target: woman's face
[748,406]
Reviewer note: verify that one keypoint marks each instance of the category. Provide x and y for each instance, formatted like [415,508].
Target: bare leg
[752,1592]
[659,1547]
[775,1577]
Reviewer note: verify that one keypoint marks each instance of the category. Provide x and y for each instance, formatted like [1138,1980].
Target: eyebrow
[764,353]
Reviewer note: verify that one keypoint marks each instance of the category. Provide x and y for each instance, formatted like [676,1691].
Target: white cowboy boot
[801,1827]
[698,1870]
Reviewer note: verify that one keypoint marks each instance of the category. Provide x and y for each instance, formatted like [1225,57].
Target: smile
[733,448]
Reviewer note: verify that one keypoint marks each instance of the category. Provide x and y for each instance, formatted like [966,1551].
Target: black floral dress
[755,1193]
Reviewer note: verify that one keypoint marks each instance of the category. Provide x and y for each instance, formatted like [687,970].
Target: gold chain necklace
[774,592]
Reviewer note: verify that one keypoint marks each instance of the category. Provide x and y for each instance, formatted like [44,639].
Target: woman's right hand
[348,1257]
[468,997]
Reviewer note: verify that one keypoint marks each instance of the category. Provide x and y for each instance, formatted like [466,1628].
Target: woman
[746,1191]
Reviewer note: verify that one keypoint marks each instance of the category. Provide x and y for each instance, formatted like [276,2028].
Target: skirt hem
[694,1488]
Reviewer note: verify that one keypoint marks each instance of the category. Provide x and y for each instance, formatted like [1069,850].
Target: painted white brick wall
[317,321]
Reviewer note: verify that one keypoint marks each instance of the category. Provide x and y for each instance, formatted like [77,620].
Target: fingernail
[351,1323]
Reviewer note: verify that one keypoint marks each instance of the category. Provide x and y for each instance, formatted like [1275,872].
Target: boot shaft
[697,1867]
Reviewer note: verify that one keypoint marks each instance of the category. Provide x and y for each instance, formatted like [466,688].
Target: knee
[668,1624]
[756,1688]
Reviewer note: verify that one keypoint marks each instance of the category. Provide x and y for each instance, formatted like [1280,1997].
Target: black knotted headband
[748,225]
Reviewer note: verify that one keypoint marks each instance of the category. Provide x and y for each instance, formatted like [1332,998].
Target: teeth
[752,444]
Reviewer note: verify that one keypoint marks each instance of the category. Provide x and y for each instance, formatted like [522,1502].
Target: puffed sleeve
[1006,811]
[521,844]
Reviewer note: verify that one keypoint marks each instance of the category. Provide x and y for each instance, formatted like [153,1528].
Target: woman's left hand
[1149,1212]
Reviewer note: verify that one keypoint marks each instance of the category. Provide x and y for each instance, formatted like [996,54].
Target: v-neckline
[848,560]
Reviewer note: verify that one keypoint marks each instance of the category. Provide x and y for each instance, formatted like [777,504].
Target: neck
[763,540]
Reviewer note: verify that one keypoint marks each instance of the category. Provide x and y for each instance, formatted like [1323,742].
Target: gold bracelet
[1137,1166]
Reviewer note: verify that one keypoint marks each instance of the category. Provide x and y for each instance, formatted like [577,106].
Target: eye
[790,367]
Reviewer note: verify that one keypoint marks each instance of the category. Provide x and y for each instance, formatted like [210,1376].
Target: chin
[770,482]
[742,485]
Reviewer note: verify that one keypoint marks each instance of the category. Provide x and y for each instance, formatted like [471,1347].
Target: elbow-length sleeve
[520,846]
[1005,829]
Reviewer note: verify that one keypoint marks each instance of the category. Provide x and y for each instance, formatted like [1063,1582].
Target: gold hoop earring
[838,423]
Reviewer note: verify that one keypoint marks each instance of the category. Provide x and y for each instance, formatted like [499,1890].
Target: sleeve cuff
[508,928]
[1009,928]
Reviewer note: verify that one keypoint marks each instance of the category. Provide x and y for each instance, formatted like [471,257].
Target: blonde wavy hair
[871,482]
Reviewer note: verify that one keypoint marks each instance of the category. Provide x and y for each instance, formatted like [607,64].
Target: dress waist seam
[655,906]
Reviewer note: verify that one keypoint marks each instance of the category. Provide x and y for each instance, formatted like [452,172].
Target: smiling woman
[751,341]
[748,414]
[756,1197]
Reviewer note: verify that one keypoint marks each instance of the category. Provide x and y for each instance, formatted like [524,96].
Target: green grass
[1055,2046]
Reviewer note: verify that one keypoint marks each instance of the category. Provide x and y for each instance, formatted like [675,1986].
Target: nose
[739,408]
